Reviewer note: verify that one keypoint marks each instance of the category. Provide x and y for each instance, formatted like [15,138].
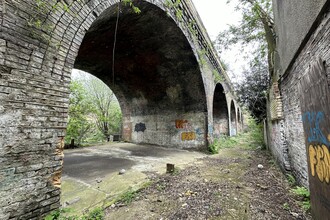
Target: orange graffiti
[180,123]
[319,159]
[188,136]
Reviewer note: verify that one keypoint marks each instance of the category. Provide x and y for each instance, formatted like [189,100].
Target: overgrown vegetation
[175,6]
[63,214]
[252,138]
[304,196]
[291,179]
[38,17]
[128,196]
[252,90]
[42,8]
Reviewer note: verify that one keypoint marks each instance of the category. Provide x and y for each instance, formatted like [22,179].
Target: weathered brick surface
[35,69]
[294,140]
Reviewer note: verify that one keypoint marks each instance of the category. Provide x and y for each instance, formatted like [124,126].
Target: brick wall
[317,46]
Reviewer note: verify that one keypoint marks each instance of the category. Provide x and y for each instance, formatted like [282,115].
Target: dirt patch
[225,186]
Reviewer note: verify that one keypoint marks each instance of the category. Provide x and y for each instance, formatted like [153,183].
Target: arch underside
[156,76]
[233,122]
[220,112]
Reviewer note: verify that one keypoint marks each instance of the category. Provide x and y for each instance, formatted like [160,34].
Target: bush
[213,148]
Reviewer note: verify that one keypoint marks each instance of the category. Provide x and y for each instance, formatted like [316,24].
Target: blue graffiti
[312,121]
[199,131]
[210,128]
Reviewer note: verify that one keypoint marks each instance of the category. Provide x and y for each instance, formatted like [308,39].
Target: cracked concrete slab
[90,175]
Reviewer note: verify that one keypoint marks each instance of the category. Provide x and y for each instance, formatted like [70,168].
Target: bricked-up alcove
[156,75]
[233,122]
[220,112]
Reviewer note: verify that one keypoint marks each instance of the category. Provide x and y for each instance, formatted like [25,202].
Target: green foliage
[80,108]
[213,148]
[130,3]
[304,195]
[306,205]
[128,196]
[252,138]
[291,179]
[106,110]
[286,206]
[175,7]
[255,30]
[93,115]
[160,186]
[251,28]
[301,191]
[228,142]
[217,76]
[95,214]
[37,20]
[254,131]
[192,29]
[201,57]
[252,90]
[63,214]
[176,171]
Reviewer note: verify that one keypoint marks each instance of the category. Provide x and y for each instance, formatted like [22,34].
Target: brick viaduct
[167,77]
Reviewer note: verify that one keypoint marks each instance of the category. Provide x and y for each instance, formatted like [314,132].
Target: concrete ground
[91,175]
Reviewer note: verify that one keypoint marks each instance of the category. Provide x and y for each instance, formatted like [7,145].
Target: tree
[255,30]
[80,108]
[106,107]
[252,90]
[106,112]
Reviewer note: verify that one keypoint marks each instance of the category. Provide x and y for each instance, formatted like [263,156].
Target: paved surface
[90,175]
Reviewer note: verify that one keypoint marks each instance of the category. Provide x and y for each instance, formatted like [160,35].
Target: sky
[216,15]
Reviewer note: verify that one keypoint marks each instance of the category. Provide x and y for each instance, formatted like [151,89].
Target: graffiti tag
[210,128]
[313,119]
[140,127]
[180,123]
[199,131]
[188,136]
[319,159]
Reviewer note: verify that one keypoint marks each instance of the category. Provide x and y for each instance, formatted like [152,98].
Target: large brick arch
[157,76]
[35,72]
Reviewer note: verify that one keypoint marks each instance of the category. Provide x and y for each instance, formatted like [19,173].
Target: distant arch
[233,121]
[239,120]
[220,112]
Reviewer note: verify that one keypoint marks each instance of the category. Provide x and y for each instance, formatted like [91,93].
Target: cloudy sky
[216,15]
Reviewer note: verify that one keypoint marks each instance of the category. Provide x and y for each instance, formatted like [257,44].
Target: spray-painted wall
[299,139]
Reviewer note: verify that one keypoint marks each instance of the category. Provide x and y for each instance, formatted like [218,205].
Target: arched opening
[239,123]
[156,76]
[94,112]
[220,112]
[233,123]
